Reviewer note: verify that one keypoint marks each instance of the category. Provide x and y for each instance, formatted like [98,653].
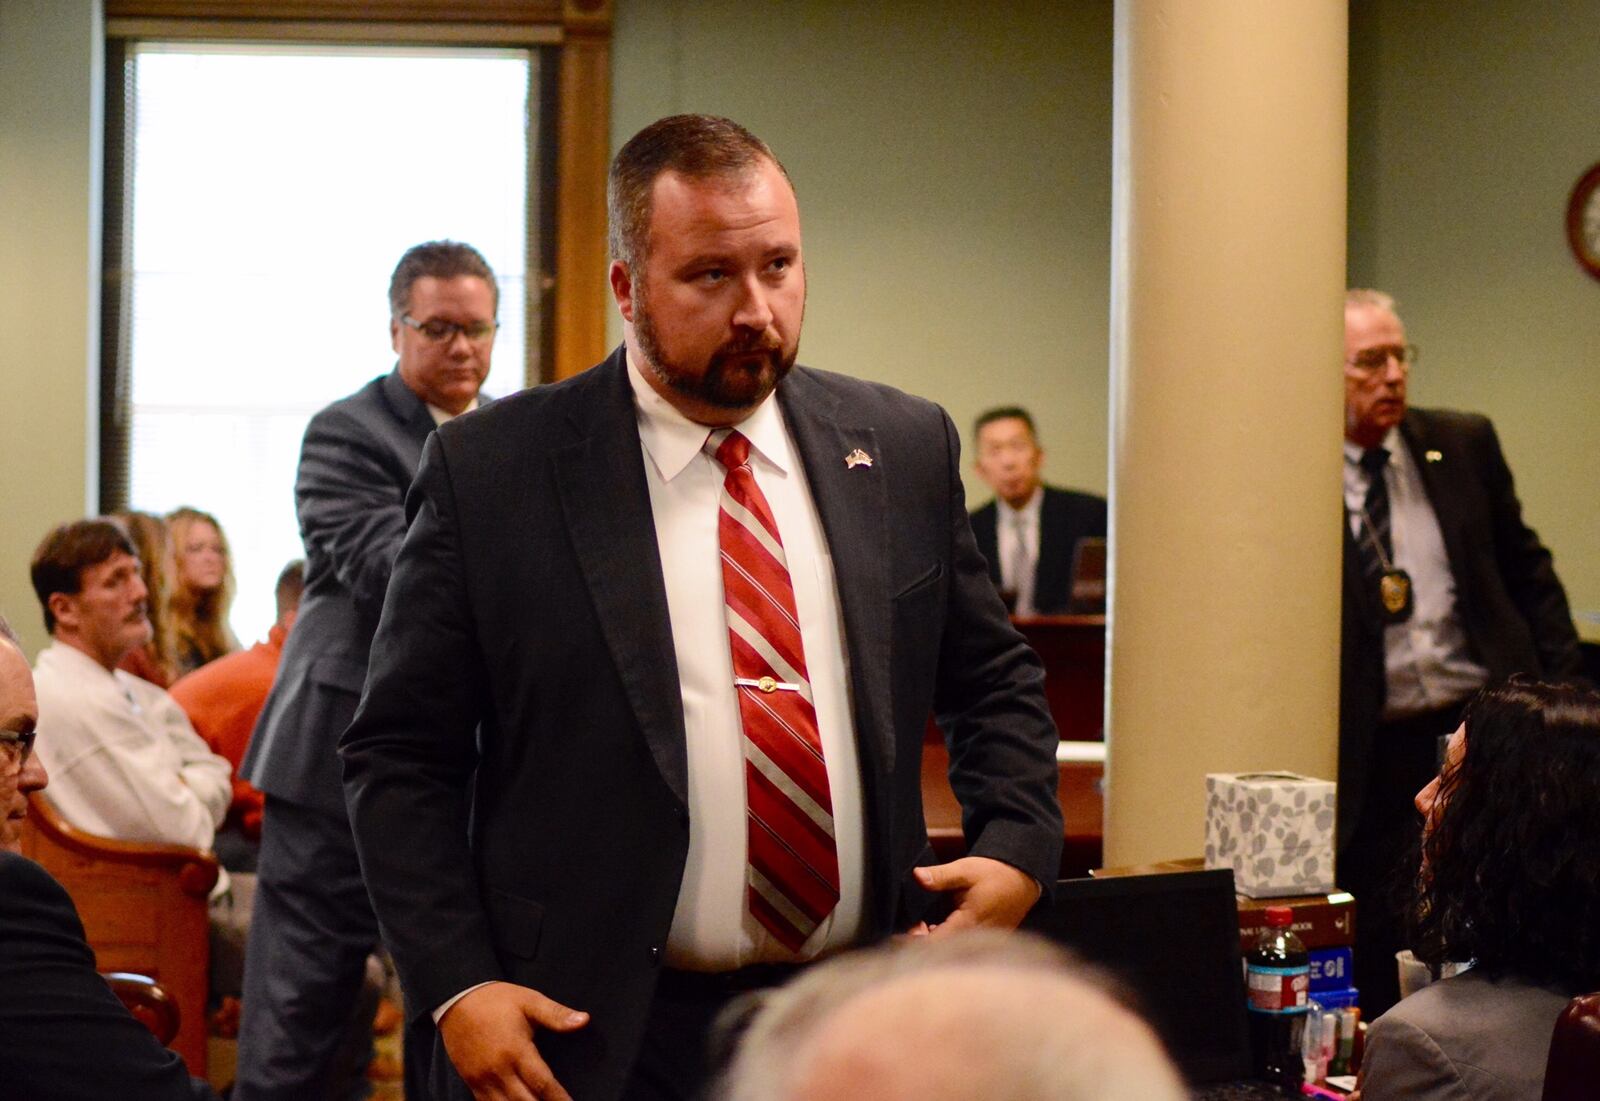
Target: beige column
[51,96]
[1228,259]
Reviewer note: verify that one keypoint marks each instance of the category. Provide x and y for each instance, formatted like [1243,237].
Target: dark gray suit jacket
[1464,1039]
[517,773]
[63,1033]
[1511,603]
[356,463]
[1065,516]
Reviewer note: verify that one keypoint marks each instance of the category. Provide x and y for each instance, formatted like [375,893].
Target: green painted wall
[50,105]
[953,162]
[1469,124]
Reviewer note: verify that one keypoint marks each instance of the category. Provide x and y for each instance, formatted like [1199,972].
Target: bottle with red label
[1277,974]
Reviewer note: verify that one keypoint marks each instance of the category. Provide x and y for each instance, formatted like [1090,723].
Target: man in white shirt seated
[123,759]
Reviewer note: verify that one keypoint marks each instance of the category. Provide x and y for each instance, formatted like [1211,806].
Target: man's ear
[64,608]
[394,334]
[622,289]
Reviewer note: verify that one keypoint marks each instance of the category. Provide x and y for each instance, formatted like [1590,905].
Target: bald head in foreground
[983,1015]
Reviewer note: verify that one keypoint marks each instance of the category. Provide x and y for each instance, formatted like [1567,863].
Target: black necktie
[1375,516]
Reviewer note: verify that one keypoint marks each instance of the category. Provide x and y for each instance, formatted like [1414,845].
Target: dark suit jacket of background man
[1065,516]
[1511,604]
[358,460]
[63,1033]
[529,596]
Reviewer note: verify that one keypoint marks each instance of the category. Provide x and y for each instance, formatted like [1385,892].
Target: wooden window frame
[574,297]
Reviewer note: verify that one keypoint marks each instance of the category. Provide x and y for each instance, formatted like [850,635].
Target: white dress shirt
[123,759]
[1017,535]
[1427,662]
[712,929]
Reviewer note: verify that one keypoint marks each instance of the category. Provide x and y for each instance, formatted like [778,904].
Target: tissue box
[1274,829]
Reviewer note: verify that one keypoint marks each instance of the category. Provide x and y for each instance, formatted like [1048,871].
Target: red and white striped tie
[793,866]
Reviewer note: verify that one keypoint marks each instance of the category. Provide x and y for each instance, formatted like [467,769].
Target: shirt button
[655,953]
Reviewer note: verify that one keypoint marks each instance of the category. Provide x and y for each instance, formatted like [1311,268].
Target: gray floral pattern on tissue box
[1274,829]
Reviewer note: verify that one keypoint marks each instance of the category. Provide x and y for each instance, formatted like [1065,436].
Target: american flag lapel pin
[857,458]
[1433,456]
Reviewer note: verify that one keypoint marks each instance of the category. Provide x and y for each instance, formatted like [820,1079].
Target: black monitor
[1173,940]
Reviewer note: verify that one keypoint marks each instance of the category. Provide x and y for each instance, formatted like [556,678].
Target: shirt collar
[1030,508]
[672,440]
[440,416]
[1391,443]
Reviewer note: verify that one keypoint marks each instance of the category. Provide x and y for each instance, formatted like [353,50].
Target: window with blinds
[257,200]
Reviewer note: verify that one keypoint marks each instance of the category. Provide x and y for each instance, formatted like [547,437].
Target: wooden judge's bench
[1073,650]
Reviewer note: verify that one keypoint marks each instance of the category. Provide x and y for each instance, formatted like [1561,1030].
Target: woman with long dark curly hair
[1509,883]
[201,592]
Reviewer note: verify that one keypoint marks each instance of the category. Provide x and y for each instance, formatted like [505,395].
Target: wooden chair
[1572,1072]
[149,1003]
[144,910]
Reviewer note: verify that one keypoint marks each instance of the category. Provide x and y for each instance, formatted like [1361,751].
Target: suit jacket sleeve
[1528,569]
[410,755]
[63,1034]
[350,513]
[990,703]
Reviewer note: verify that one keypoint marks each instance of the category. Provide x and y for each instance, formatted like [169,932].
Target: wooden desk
[1077,789]
[1073,649]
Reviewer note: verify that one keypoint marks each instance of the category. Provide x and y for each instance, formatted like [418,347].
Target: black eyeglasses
[1377,359]
[19,738]
[443,332]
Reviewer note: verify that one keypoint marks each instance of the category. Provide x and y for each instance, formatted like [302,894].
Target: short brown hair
[291,584]
[439,260]
[696,146]
[69,549]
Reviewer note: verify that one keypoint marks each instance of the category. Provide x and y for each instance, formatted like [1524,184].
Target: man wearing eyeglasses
[1445,589]
[62,1031]
[313,926]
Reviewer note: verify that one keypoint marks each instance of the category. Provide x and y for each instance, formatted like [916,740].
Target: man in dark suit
[312,924]
[63,1033]
[1445,589]
[1029,532]
[644,720]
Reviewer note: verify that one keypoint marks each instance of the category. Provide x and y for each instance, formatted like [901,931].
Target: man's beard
[732,378]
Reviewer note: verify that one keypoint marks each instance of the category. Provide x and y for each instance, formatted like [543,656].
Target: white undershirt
[1427,662]
[712,929]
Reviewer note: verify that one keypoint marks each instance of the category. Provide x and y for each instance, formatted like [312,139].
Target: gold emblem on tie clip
[765,684]
[857,458]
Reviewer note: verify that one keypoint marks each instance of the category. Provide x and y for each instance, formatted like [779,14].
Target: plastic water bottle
[1277,989]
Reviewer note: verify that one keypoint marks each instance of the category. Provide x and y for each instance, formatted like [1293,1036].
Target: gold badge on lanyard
[1394,592]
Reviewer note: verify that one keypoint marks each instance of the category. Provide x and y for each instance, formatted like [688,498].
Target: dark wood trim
[369,11]
[582,258]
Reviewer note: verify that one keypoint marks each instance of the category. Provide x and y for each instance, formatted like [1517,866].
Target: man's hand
[489,1035]
[987,892]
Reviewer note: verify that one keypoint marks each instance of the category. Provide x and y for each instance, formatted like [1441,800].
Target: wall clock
[1583,221]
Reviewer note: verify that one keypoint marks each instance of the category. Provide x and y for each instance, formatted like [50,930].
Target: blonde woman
[201,591]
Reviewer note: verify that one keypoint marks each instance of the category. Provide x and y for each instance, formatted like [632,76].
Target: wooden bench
[144,910]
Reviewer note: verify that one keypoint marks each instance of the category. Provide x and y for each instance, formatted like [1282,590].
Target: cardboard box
[1274,829]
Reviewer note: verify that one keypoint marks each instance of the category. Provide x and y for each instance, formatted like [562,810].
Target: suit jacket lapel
[408,409]
[1436,474]
[852,502]
[606,502]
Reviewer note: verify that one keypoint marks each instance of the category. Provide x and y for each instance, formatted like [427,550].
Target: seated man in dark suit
[1029,532]
[63,1034]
